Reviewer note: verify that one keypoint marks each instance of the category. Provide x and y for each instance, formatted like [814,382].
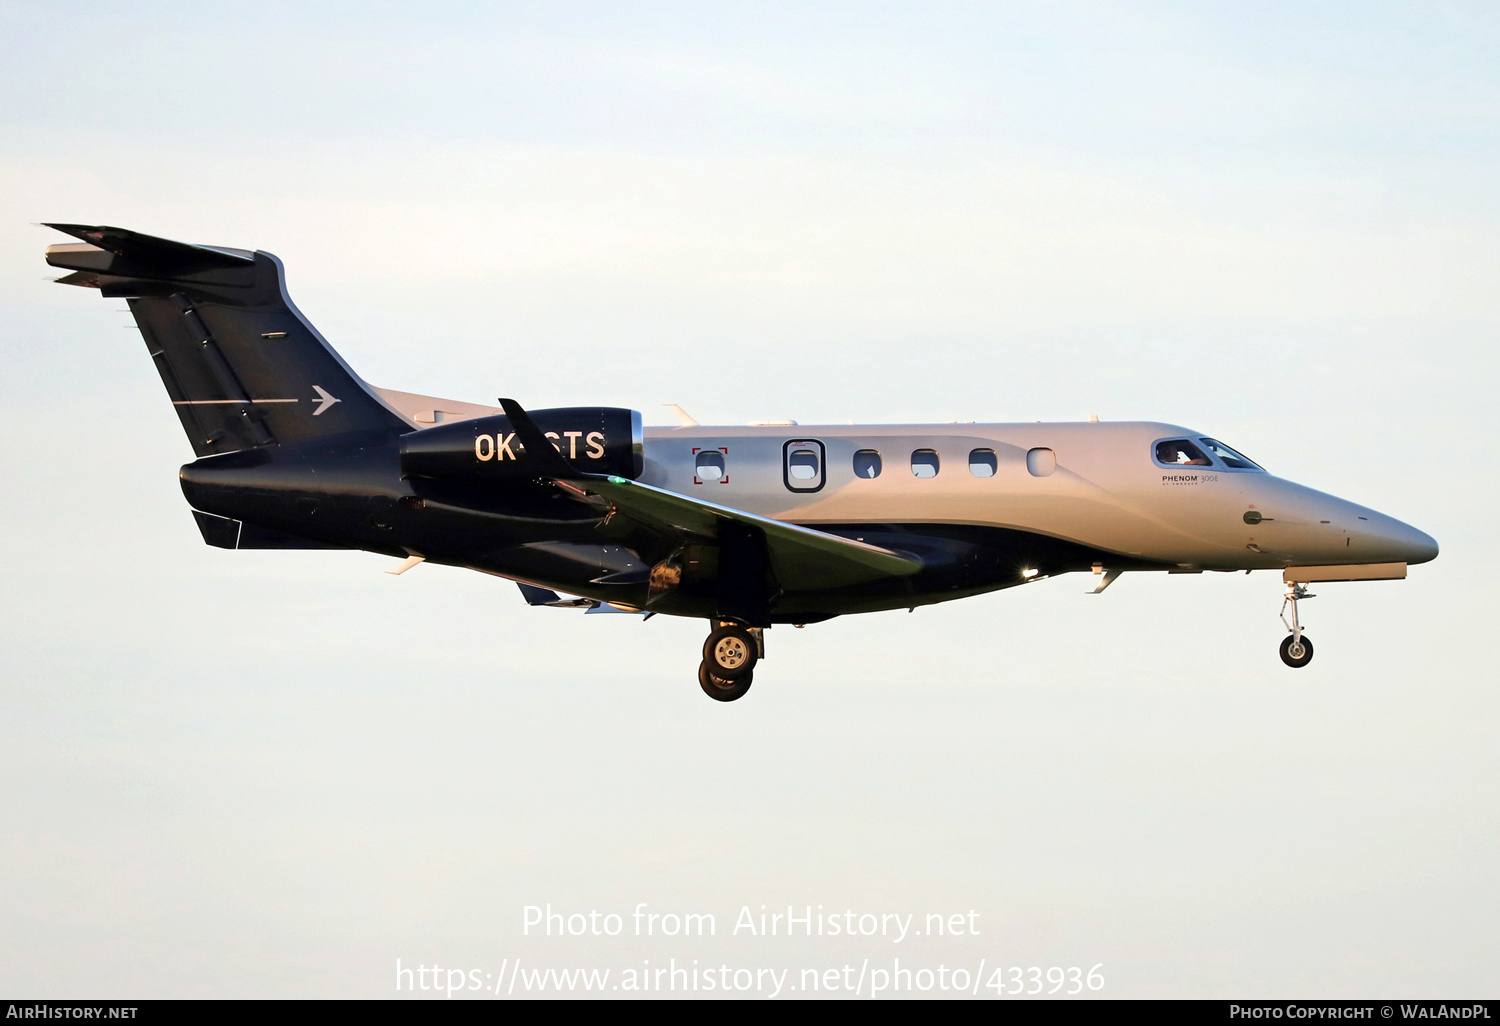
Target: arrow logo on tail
[325,400]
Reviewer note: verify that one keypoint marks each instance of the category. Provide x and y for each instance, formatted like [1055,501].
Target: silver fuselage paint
[1107,492]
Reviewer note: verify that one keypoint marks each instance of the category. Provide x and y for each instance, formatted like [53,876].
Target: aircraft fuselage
[1096,500]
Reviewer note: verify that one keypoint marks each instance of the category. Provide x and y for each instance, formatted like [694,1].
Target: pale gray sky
[274,773]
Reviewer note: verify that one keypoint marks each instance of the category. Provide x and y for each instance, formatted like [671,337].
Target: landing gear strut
[1296,648]
[729,658]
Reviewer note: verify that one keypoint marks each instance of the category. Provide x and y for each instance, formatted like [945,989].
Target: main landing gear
[1296,647]
[729,658]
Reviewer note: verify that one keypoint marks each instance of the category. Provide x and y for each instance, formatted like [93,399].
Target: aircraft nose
[1404,542]
[1422,547]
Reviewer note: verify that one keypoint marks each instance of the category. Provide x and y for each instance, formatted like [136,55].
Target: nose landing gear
[1296,648]
[729,658]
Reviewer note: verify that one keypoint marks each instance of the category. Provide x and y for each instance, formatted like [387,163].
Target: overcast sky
[274,773]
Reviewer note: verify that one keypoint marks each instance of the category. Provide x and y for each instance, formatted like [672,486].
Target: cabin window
[802,465]
[1181,452]
[867,463]
[1041,462]
[982,463]
[709,467]
[924,463]
[1229,456]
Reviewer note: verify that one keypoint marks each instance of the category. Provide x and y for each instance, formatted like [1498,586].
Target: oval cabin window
[982,463]
[924,463]
[867,463]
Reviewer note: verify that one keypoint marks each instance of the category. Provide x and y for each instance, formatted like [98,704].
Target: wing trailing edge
[801,558]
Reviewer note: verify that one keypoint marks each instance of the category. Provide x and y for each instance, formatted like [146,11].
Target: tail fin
[242,366]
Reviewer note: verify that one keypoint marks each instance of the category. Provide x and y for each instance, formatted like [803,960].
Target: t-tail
[242,366]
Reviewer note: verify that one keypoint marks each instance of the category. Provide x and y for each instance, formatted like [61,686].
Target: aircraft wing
[801,558]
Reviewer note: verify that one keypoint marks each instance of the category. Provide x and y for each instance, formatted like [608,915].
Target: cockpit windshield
[1181,451]
[1229,456]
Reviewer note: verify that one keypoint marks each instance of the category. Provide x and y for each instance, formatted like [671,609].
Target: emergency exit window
[709,466]
[802,465]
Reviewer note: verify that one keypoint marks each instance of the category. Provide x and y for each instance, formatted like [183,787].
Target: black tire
[730,652]
[719,689]
[1300,660]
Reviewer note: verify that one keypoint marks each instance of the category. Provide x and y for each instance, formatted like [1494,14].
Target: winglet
[544,458]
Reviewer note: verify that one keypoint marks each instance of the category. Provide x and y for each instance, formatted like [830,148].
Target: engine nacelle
[594,439]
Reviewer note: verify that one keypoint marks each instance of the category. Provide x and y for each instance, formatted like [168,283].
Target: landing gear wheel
[1296,650]
[730,653]
[719,689]
[1296,653]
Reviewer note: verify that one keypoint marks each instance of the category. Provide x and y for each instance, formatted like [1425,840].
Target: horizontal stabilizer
[85,279]
[119,253]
